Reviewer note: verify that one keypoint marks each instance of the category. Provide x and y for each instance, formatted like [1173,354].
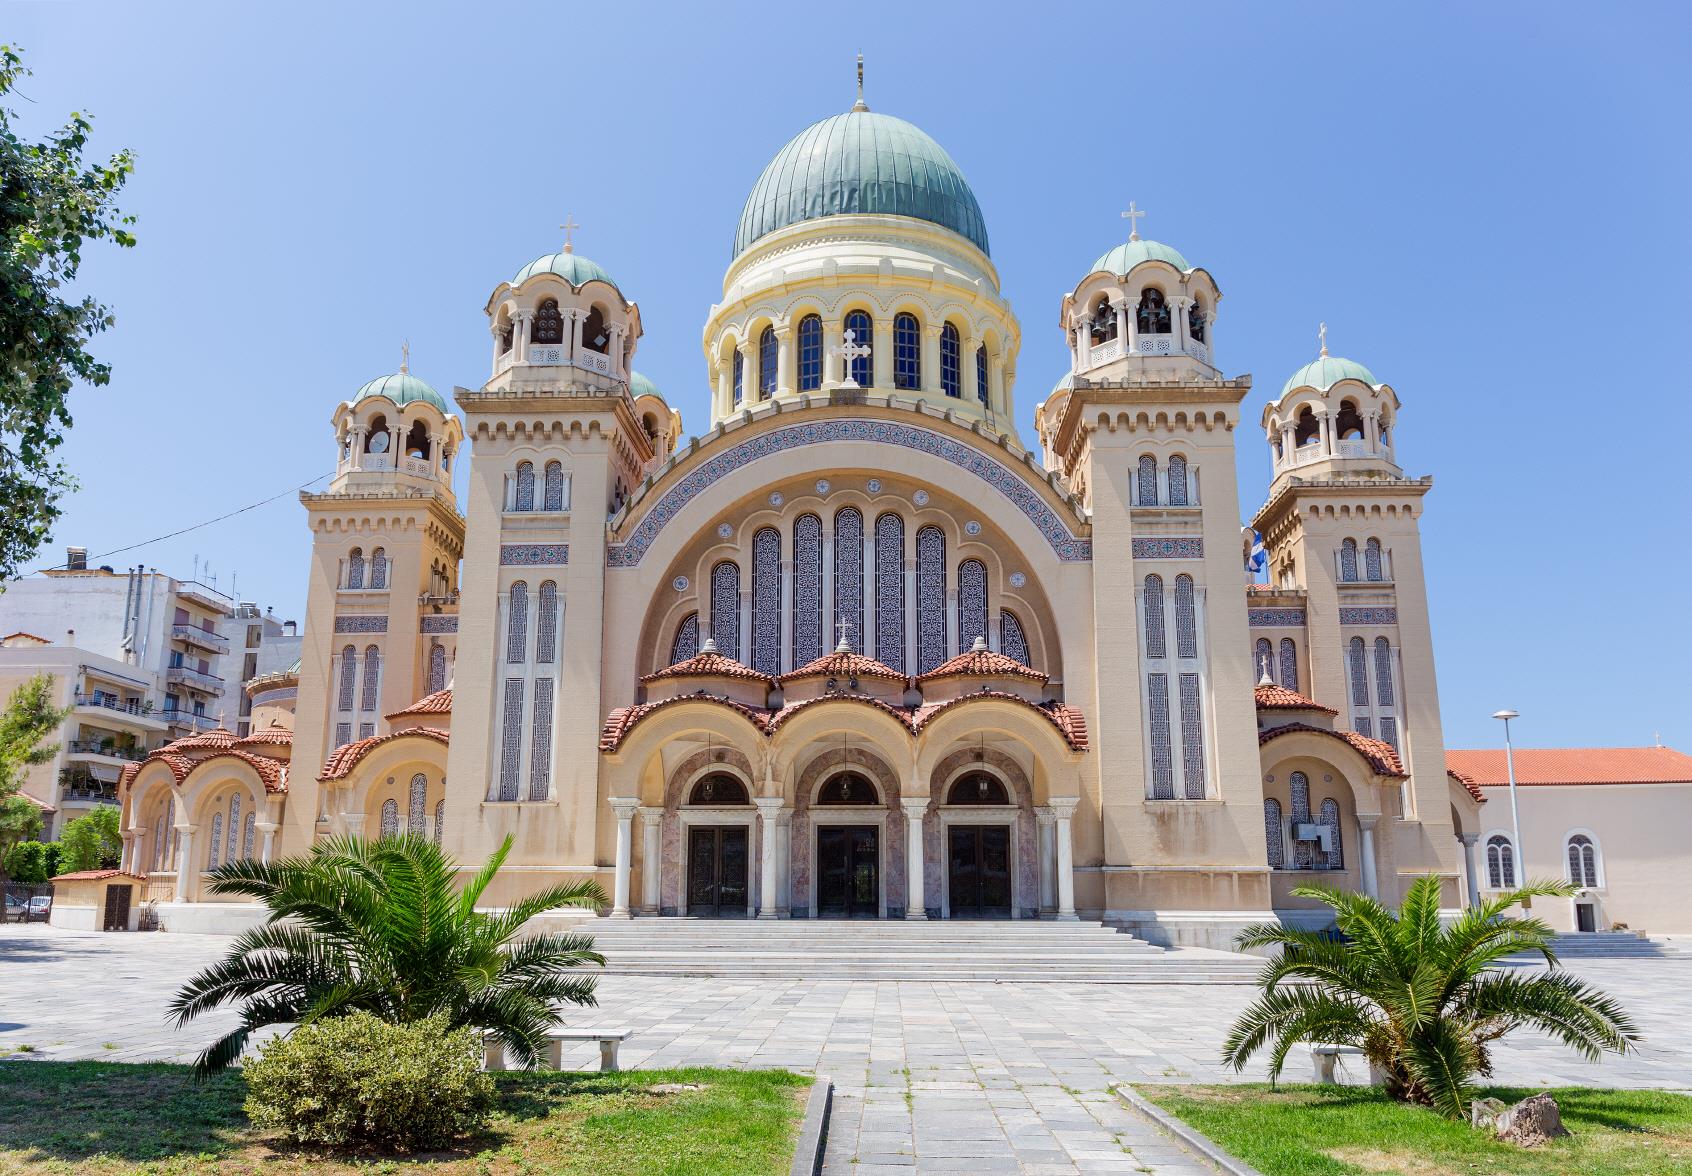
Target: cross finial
[1132,216]
[860,104]
[845,628]
[1322,337]
[405,357]
[569,226]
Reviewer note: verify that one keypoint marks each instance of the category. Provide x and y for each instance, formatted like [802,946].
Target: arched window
[1145,482]
[390,818]
[951,362]
[978,787]
[810,353]
[766,601]
[725,608]
[1192,737]
[376,438]
[234,828]
[1196,321]
[1272,834]
[1186,618]
[1298,787]
[739,375]
[437,667]
[1264,657]
[1013,642]
[1152,315]
[1348,425]
[1308,430]
[972,603]
[767,353]
[807,589]
[1177,480]
[1162,747]
[517,626]
[416,814]
[524,496]
[1156,646]
[1335,857]
[546,624]
[890,590]
[549,324]
[372,678]
[216,841]
[907,352]
[349,678]
[355,568]
[862,330]
[1383,671]
[981,373]
[417,441]
[1372,560]
[930,598]
[1500,862]
[849,575]
[1583,861]
[379,568]
[248,830]
[1104,321]
[540,741]
[1348,561]
[686,643]
[848,788]
[718,789]
[594,335]
[1289,663]
[1357,663]
[440,817]
[554,492]
[511,739]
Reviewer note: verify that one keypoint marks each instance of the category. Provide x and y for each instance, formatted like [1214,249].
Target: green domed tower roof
[402,388]
[1133,251]
[1327,371]
[572,267]
[639,386]
[861,162]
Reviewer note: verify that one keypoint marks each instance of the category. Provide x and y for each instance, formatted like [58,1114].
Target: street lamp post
[1515,815]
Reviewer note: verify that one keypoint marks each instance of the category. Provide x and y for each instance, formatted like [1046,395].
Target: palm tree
[1422,1001]
[380,926]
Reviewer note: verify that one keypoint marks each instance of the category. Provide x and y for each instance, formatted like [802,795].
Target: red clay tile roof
[179,765]
[273,773]
[843,663]
[272,734]
[94,875]
[438,703]
[708,663]
[1382,758]
[1069,720]
[1280,698]
[211,739]
[1574,765]
[343,759]
[31,636]
[622,720]
[901,714]
[1469,784]
[983,663]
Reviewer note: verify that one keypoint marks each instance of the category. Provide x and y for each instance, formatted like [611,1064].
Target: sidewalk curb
[1198,1144]
[813,1132]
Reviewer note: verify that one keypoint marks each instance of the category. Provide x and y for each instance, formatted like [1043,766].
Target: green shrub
[91,842]
[27,862]
[359,1080]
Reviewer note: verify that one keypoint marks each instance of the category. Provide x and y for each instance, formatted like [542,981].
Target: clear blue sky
[1486,203]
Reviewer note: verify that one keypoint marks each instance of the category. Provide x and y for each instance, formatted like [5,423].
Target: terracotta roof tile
[622,720]
[94,876]
[1271,697]
[179,765]
[1469,784]
[1552,766]
[273,773]
[1382,758]
[843,663]
[344,758]
[1069,720]
[708,663]
[902,714]
[438,703]
[271,735]
[983,663]
[211,739]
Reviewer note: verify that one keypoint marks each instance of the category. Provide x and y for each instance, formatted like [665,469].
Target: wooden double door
[848,872]
[978,871]
[718,866]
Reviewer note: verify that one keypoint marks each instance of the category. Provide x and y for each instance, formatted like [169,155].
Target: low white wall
[209,918]
[75,918]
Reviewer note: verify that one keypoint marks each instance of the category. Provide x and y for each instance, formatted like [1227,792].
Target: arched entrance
[718,846]
[848,853]
[980,827]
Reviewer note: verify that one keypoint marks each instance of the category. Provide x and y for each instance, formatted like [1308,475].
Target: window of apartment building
[255,636]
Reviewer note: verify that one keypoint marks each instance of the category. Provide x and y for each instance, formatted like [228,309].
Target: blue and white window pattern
[390,818]
[1263,659]
[890,590]
[437,667]
[371,692]
[981,374]
[1171,776]
[766,601]
[768,351]
[907,352]
[686,643]
[1177,480]
[930,598]
[1274,835]
[355,568]
[1304,852]
[951,362]
[849,576]
[1348,561]
[554,496]
[524,747]
[344,697]
[379,568]
[523,495]
[725,608]
[1289,663]
[1334,858]
[416,821]
[807,589]
[1013,642]
[1145,482]
[810,353]
[863,335]
[1373,713]
[1372,569]
[972,603]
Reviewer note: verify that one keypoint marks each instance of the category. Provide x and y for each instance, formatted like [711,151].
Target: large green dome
[402,388]
[1131,253]
[1322,374]
[861,162]
[572,267]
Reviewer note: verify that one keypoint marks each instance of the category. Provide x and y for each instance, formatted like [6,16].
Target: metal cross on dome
[1132,216]
[569,226]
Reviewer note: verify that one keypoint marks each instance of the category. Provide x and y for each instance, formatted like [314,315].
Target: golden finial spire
[1322,336]
[860,104]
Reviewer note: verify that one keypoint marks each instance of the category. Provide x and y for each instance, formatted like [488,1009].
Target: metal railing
[204,638]
[113,703]
[181,718]
[210,683]
[99,747]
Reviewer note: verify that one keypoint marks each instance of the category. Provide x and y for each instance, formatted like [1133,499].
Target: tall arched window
[1145,482]
[1104,320]
[767,353]
[1383,671]
[1186,618]
[1153,312]
[1013,642]
[216,840]
[686,643]
[1500,862]
[1177,480]
[1372,560]
[372,678]
[1348,561]
[1192,737]
[849,575]
[1272,835]
[1162,748]
[930,598]
[1156,646]
[766,601]
[1335,858]
[379,568]
[594,335]
[349,678]
[807,590]
[1196,321]
[890,590]
[858,322]
[248,830]
[1583,861]
[951,362]
[907,352]
[810,353]
[524,497]
[981,373]
[1289,663]
[517,626]
[725,608]
[972,603]
[546,624]
[355,568]
[437,667]
[416,816]
[1298,788]
[739,375]
[390,818]
[553,498]
[549,324]
[511,740]
[234,828]
[440,817]
[1264,657]
[1357,663]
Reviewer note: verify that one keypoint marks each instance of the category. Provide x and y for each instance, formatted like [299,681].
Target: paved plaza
[930,1076]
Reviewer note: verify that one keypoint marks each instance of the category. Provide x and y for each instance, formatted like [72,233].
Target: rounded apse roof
[861,162]
[572,267]
[1327,371]
[402,388]
[640,386]
[1131,253]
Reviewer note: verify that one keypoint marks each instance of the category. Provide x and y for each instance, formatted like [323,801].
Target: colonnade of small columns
[1327,440]
[136,860]
[357,458]
[522,332]
[1127,324]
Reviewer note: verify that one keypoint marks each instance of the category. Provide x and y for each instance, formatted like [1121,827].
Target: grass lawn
[102,1117]
[1330,1130]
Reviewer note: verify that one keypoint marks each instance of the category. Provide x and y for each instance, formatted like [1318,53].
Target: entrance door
[848,872]
[1585,920]
[117,907]
[716,871]
[979,881]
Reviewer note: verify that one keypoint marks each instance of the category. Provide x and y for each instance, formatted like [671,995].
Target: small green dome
[402,388]
[639,386]
[1064,384]
[572,267]
[861,162]
[1327,371]
[1129,254]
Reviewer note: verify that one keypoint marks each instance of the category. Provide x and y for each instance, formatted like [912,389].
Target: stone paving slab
[930,1076]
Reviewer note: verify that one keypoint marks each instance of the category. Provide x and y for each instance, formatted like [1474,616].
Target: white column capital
[769,806]
[1368,820]
[1044,815]
[914,805]
[651,816]
[1469,839]
[1063,807]
[624,806]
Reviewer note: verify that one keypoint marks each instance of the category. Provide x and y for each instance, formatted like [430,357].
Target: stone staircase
[1028,951]
[1611,945]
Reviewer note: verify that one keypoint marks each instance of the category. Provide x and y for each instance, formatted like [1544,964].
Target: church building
[853,651]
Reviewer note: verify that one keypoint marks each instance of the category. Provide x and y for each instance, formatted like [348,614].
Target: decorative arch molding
[1026,837]
[818,769]
[676,785]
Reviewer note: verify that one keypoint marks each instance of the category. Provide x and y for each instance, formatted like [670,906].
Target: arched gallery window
[549,324]
[686,643]
[1177,480]
[725,608]
[767,352]
[863,335]
[524,497]
[766,601]
[355,568]
[951,362]
[849,574]
[930,598]
[1372,560]
[379,568]
[1289,663]
[717,789]
[554,492]
[848,788]
[890,590]
[1145,482]
[1013,642]
[810,353]
[1500,862]
[807,589]
[907,352]
[978,787]
[1348,561]
[972,603]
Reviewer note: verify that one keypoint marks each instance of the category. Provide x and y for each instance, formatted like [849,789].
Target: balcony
[194,680]
[105,749]
[205,596]
[79,786]
[200,638]
[558,355]
[135,713]
[1109,351]
[189,719]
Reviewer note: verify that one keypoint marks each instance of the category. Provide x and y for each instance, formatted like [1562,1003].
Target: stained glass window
[1383,671]
[525,496]
[511,739]
[1357,662]
[766,601]
[1500,862]
[546,624]
[216,840]
[1263,654]
[372,678]
[349,677]
[1013,642]
[907,352]
[849,575]
[1146,482]
[1156,642]
[390,818]
[379,568]
[1348,561]
[1186,618]
[1304,852]
[1177,480]
[416,814]
[890,590]
[355,568]
[540,741]
[234,828]
[1372,560]
[863,335]
[1363,725]
[725,608]
[1583,861]
[437,667]
[1389,731]
[972,602]
[1335,858]
[981,373]
[931,598]
[343,734]
[1192,737]
[951,362]
[440,817]
[1289,663]
[248,829]
[686,642]
[767,358]
[517,625]
[366,730]
[807,589]
[1163,761]
[810,353]
[1272,835]
[554,487]
[739,375]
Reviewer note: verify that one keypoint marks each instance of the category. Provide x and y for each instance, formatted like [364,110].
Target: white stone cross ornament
[1322,338]
[569,226]
[1132,216]
[844,627]
[848,351]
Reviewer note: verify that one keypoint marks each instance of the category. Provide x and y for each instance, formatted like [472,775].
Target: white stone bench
[609,1040]
[1327,1057]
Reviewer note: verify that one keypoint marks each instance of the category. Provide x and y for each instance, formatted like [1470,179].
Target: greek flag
[1256,558]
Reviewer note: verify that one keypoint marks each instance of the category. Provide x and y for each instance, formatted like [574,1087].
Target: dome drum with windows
[396,427]
[562,319]
[1333,418]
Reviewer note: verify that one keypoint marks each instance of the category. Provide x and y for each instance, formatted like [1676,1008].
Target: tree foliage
[32,862]
[29,718]
[20,821]
[1420,999]
[381,926]
[52,202]
[91,842]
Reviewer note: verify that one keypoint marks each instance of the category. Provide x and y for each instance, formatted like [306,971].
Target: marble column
[1046,821]
[916,903]
[651,825]
[1063,808]
[1371,884]
[785,381]
[1121,311]
[267,838]
[1470,877]
[625,808]
[769,810]
[184,859]
[1083,344]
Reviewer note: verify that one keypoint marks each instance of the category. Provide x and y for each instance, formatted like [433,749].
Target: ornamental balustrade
[558,355]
